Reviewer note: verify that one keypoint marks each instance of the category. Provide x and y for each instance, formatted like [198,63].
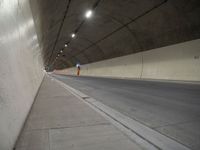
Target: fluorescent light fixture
[66,45]
[73,35]
[88,13]
[61,51]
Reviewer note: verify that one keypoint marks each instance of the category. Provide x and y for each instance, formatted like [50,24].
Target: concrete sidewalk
[60,121]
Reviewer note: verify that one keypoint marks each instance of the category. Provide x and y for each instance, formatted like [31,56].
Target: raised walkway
[59,120]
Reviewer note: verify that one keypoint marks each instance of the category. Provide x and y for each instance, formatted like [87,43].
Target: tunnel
[100,74]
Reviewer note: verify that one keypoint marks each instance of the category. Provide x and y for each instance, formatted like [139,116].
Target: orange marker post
[78,70]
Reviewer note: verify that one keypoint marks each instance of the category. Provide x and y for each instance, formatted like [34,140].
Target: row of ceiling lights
[88,15]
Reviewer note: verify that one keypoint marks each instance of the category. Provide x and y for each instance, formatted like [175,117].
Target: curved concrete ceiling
[117,28]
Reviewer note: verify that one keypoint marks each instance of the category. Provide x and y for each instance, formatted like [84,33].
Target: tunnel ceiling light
[73,35]
[88,14]
[66,45]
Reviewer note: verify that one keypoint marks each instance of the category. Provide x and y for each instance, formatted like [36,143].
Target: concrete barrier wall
[175,62]
[21,68]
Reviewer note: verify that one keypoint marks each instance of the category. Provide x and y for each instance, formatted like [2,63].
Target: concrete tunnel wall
[175,62]
[21,68]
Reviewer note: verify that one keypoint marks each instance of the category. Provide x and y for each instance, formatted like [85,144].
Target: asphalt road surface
[172,109]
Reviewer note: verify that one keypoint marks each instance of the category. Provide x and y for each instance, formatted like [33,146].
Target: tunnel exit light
[77,65]
[88,13]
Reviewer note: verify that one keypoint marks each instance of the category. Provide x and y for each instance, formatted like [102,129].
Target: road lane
[172,109]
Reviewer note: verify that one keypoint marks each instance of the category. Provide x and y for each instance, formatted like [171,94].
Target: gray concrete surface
[117,27]
[58,121]
[21,68]
[145,136]
[172,109]
[175,62]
